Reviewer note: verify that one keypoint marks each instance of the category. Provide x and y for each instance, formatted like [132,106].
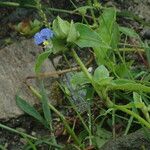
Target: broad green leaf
[63,25]
[101,73]
[41,58]
[129,32]
[45,106]
[60,28]
[108,31]
[23,105]
[56,29]
[106,21]
[73,33]
[88,37]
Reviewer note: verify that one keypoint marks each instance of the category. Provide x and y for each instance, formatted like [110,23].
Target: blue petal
[38,39]
[46,33]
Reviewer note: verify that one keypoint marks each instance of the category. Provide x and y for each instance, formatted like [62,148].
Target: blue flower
[43,35]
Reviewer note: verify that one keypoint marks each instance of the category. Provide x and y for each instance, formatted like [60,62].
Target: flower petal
[46,33]
[38,39]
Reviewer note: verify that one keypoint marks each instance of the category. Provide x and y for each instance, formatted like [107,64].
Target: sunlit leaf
[88,37]
[41,58]
[109,33]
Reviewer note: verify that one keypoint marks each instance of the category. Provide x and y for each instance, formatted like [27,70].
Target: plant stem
[84,69]
[92,12]
[102,94]
[14,4]
[70,131]
[130,87]
[18,132]
[140,119]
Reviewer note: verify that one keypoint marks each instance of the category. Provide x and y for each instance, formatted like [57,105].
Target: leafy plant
[115,82]
[107,78]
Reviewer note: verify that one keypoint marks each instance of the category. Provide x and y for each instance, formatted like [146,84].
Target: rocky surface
[16,63]
[141,9]
[138,140]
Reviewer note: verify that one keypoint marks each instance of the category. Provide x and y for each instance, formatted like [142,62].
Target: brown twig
[60,72]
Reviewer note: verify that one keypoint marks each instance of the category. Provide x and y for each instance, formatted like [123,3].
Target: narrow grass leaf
[23,105]
[46,110]
[129,32]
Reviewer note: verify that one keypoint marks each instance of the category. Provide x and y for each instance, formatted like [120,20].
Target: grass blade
[23,105]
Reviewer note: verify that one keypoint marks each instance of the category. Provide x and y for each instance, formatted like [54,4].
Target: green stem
[18,132]
[140,119]
[70,131]
[92,12]
[84,69]
[90,124]
[102,94]
[13,4]
[130,87]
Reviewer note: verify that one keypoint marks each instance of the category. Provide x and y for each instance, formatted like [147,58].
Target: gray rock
[138,140]
[16,63]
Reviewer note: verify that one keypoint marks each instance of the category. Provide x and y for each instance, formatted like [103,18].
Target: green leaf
[129,32]
[61,28]
[46,110]
[109,33]
[73,33]
[23,105]
[106,21]
[100,73]
[88,37]
[41,58]
[115,38]
[63,25]
[59,45]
